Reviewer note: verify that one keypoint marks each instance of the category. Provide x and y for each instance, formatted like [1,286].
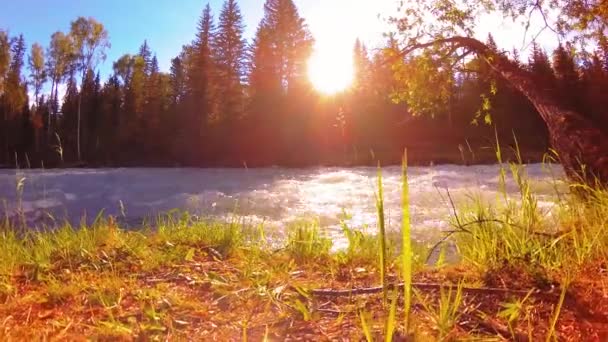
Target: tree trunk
[56,104]
[581,146]
[50,111]
[78,127]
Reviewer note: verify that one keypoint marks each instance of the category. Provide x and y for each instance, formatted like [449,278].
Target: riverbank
[420,154]
[521,274]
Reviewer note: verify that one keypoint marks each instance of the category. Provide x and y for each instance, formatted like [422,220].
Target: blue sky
[166,24]
[169,24]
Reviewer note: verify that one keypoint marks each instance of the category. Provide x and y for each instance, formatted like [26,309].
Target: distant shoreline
[416,157]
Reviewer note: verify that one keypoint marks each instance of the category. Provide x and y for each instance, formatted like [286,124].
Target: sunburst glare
[330,70]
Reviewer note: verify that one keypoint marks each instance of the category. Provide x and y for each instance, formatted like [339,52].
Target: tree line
[227,101]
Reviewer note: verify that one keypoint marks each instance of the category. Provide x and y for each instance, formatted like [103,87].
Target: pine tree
[264,78]
[178,82]
[361,64]
[567,78]
[280,92]
[90,91]
[69,119]
[176,123]
[200,78]
[131,71]
[594,84]
[15,100]
[291,42]
[111,125]
[134,103]
[5,59]
[540,66]
[229,58]
[153,109]
[361,98]
[16,95]
[146,54]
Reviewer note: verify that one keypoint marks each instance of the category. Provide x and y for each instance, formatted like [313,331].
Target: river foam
[275,196]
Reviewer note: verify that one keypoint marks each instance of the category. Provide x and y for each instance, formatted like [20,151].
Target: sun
[331,70]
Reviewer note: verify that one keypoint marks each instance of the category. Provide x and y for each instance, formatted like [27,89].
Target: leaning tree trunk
[581,146]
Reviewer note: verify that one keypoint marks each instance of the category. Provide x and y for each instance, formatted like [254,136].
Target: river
[275,196]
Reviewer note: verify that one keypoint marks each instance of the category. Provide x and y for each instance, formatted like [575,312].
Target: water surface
[276,196]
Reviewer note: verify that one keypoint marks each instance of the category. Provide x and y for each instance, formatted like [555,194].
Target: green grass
[105,246]
[569,234]
[382,235]
[446,312]
[407,252]
[306,240]
[363,247]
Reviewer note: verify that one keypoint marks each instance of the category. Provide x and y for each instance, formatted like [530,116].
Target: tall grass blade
[391,321]
[558,309]
[502,183]
[382,235]
[406,235]
[367,332]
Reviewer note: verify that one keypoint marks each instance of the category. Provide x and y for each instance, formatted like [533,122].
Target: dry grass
[193,292]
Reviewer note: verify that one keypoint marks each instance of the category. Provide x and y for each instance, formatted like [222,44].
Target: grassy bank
[523,272]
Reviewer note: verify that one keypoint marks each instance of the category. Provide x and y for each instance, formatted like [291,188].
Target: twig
[416,306]
[454,208]
[538,7]
[544,15]
[427,286]
[480,221]
[460,228]
[439,243]
[335,312]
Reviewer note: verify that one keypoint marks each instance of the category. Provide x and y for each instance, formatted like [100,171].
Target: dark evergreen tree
[201,81]
[176,122]
[146,54]
[540,66]
[112,123]
[16,96]
[281,96]
[594,82]
[229,57]
[153,112]
[361,66]
[14,100]
[567,77]
[5,59]
[68,121]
